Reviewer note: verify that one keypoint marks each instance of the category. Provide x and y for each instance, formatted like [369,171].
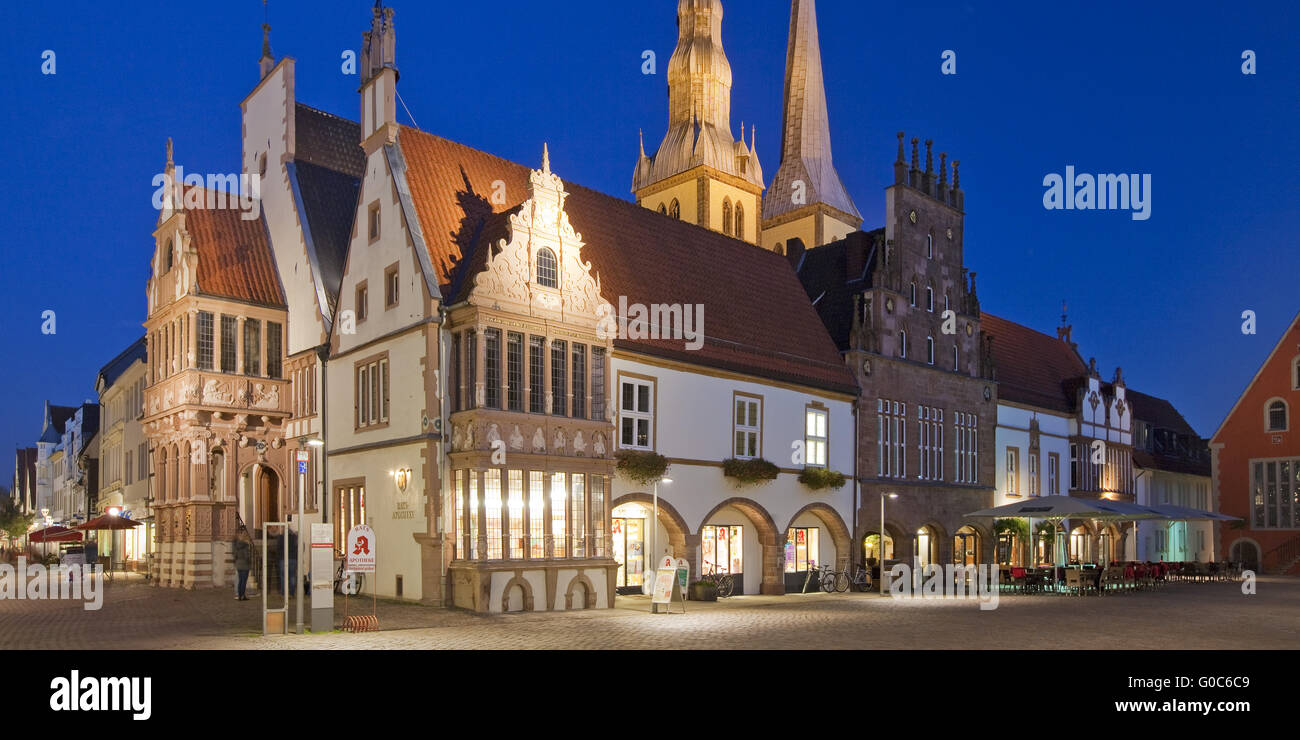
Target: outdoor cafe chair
[1074,581]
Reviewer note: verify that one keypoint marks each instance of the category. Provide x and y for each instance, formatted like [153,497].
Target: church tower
[807,201]
[700,172]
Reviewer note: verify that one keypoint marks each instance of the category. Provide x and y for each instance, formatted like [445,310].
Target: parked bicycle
[724,582]
[346,582]
[840,581]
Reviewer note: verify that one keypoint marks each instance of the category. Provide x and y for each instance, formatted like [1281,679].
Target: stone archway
[839,532]
[679,533]
[581,587]
[525,590]
[771,542]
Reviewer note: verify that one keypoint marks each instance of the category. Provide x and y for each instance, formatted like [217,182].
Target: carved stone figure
[516,439]
[539,442]
[598,446]
[579,445]
[558,444]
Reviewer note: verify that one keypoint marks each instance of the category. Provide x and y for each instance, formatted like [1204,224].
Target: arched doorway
[1080,544]
[815,536]
[966,546]
[739,533]
[1245,552]
[632,537]
[259,490]
[924,545]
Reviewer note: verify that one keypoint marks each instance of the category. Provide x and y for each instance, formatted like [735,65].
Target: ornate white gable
[509,279]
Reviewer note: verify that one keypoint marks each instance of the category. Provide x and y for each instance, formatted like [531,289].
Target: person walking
[243,552]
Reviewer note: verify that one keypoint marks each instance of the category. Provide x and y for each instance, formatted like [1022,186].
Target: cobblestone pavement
[1179,616]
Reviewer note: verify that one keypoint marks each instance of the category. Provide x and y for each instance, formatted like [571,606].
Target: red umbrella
[55,534]
[108,521]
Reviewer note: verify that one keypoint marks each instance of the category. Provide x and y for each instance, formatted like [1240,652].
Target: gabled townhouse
[124,456]
[1171,465]
[309,165]
[49,459]
[1255,456]
[1061,430]
[217,401]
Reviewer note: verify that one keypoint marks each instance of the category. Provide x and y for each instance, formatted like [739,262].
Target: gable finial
[641,135]
[169,151]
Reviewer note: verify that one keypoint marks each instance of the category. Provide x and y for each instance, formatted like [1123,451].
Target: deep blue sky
[1105,86]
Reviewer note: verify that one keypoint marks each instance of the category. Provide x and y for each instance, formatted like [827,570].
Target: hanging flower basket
[818,479]
[641,467]
[749,472]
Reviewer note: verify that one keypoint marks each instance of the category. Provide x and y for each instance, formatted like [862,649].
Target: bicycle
[843,580]
[724,582]
[346,582]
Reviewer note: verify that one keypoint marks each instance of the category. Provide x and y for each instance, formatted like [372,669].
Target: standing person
[292,544]
[243,551]
[276,555]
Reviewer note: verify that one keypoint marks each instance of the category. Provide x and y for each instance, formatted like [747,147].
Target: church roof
[235,259]
[757,319]
[806,138]
[1033,368]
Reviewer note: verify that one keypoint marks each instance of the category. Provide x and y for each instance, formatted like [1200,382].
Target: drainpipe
[444,475]
[323,352]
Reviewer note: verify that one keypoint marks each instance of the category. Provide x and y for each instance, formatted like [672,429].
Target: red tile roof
[757,317]
[1033,368]
[235,259]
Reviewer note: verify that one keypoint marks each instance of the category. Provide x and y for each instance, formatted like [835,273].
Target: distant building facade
[1255,456]
[124,456]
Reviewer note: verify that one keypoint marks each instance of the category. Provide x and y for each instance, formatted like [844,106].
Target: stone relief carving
[455,438]
[558,443]
[579,445]
[217,393]
[516,440]
[493,435]
[266,396]
[469,436]
[598,446]
[539,441]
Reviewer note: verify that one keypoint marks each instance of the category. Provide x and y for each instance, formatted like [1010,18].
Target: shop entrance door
[629,551]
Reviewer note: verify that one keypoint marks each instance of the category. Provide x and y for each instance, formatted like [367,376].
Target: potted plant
[749,472]
[704,591]
[641,466]
[817,479]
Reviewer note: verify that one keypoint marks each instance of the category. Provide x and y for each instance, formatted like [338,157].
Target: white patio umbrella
[1068,507]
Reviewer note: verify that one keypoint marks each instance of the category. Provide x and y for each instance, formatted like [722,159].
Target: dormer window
[547,269]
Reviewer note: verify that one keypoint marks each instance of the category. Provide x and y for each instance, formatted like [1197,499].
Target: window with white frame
[1035,485]
[372,392]
[636,414]
[902,344]
[929,350]
[1053,474]
[954,358]
[815,436]
[929,299]
[1275,494]
[747,426]
[891,438]
[1013,471]
[929,443]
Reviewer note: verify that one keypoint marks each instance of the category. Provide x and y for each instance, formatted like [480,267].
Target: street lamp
[883,496]
[646,583]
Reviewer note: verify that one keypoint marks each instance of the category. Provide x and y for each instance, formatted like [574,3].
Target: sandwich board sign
[669,584]
[361,549]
